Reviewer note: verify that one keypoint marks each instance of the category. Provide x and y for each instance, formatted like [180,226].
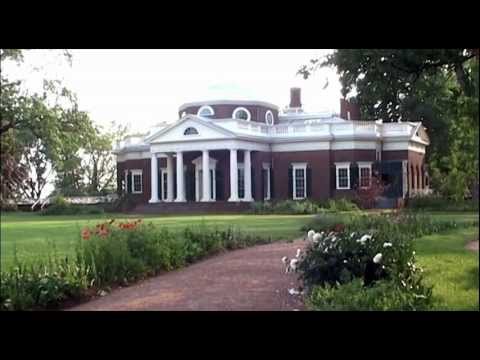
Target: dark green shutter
[309,181]
[175,185]
[271,184]
[219,184]
[159,183]
[354,176]
[252,182]
[290,182]
[129,182]
[333,179]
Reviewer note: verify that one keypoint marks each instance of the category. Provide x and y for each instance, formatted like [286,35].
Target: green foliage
[383,296]
[60,206]
[294,207]
[438,203]
[341,205]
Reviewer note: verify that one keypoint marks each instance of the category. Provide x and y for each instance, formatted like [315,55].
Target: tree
[98,160]
[38,131]
[437,87]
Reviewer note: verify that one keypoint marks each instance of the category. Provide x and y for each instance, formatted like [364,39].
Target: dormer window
[269,118]
[241,113]
[190,131]
[205,111]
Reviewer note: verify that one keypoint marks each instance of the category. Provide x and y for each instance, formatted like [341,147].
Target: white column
[154,179]
[233,176]
[180,178]
[248,175]
[206,176]
[169,177]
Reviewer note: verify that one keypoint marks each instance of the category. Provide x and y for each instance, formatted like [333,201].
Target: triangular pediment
[190,128]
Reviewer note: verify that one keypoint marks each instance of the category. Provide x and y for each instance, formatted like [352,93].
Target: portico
[205,184]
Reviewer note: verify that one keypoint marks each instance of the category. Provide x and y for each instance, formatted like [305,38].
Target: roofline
[228,102]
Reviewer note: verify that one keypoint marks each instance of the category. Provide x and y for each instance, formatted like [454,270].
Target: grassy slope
[451,268]
[30,233]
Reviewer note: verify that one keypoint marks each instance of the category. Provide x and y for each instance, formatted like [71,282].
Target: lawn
[35,235]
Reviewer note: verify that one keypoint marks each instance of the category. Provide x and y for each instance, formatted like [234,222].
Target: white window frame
[206,107]
[338,166]
[299,166]
[268,195]
[269,112]
[241,109]
[364,165]
[133,173]
[191,127]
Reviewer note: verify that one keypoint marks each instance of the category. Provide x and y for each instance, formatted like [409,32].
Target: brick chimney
[349,110]
[295,98]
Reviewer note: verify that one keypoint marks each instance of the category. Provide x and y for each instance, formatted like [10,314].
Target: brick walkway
[246,279]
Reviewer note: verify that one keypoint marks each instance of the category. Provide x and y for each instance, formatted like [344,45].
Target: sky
[141,88]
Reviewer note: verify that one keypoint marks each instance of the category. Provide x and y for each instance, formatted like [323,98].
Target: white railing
[365,128]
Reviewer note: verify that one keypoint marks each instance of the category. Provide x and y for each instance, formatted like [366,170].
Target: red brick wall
[319,161]
[143,164]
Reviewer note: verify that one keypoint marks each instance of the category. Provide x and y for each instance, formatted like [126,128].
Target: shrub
[375,252]
[384,295]
[435,202]
[60,206]
[341,205]
[286,207]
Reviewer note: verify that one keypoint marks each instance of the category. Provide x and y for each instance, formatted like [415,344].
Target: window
[299,180]
[190,131]
[241,113]
[266,181]
[137,187]
[269,118]
[365,172]
[205,111]
[241,182]
[343,176]
[164,184]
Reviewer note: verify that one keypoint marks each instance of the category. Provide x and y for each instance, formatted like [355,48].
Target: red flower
[86,234]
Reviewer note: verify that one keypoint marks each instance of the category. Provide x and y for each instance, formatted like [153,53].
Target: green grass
[451,268]
[31,234]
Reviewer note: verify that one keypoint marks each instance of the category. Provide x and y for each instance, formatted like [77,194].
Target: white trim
[299,166]
[364,165]
[301,146]
[338,166]
[269,112]
[212,164]
[133,173]
[404,145]
[241,108]
[350,145]
[206,107]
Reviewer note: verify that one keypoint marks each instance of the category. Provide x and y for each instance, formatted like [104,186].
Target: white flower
[413,253]
[293,264]
[352,235]
[293,291]
[298,253]
[345,261]
[310,234]
[364,238]
[334,239]
[377,258]
[317,237]
[285,260]
[387,244]
[404,284]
